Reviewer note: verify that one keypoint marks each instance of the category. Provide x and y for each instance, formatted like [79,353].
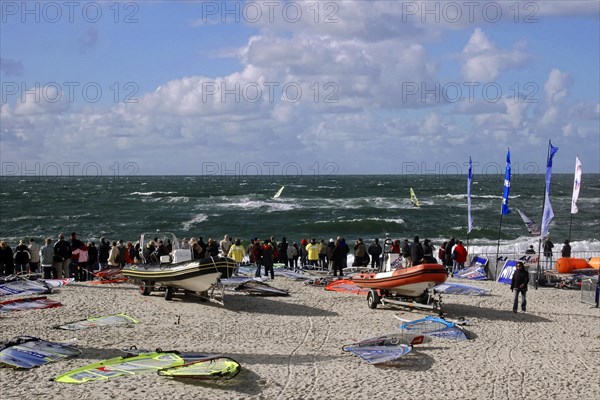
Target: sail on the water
[413,198]
[532,227]
[278,192]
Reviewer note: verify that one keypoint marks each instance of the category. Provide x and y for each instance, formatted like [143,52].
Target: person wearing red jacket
[460,255]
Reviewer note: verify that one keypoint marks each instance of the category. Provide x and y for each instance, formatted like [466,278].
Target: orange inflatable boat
[566,265]
[594,262]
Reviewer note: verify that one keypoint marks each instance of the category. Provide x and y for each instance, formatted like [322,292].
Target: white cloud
[484,61]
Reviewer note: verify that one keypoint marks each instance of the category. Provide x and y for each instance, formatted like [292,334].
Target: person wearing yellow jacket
[236,251]
[313,253]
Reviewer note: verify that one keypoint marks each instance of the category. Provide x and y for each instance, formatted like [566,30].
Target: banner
[510,266]
[576,185]
[548,213]
[506,192]
[469,182]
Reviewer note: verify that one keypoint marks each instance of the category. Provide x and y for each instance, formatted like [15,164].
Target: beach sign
[507,272]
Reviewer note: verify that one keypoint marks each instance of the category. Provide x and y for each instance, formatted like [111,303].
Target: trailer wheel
[146,288]
[169,293]
[373,298]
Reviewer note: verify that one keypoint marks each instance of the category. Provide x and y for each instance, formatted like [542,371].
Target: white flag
[576,186]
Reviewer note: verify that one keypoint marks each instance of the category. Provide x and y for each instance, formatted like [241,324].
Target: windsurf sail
[393,339]
[457,288]
[532,227]
[436,327]
[29,303]
[278,192]
[379,354]
[413,198]
[109,275]
[119,366]
[261,288]
[213,368]
[23,287]
[476,271]
[29,352]
[345,285]
[117,319]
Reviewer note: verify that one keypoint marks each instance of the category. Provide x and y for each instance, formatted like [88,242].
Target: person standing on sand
[34,251]
[460,256]
[267,258]
[62,257]
[519,282]
[548,245]
[406,257]
[566,250]
[113,256]
[375,251]
[47,259]
[22,258]
[237,252]
[103,252]
[416,251]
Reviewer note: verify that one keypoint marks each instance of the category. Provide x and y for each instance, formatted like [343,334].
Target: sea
[352,206]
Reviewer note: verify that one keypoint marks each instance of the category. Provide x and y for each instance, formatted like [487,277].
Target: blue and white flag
[576,186]
[548,213]
[469,182]
[506,192]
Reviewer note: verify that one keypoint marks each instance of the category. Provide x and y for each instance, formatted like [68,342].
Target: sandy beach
[290,347]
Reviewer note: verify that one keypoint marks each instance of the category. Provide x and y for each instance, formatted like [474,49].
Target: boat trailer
[216,293]
[432,300]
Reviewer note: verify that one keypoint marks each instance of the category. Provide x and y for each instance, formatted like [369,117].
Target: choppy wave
[194,221]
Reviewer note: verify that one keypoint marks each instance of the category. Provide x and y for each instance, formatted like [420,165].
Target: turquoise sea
[321,207]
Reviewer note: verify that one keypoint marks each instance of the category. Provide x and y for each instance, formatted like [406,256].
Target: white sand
[290,348]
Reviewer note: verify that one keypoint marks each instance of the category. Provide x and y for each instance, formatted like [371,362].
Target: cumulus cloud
[556,90]
[484,61]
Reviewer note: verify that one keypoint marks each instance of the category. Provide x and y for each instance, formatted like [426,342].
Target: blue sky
[153,74]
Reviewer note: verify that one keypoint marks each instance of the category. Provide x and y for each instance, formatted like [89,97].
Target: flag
[548,213]
[469,181]
[506,192]
[576,185]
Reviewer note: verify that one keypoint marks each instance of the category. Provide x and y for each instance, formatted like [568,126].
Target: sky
[297,87]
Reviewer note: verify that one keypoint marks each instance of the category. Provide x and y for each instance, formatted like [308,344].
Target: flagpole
[538,270]
[498,247]
[570,223]
[504,209]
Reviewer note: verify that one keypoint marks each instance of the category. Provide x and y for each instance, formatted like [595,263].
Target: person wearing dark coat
[566,250]
[103,253]
[406,258]
[22,257]
[375,251]
[7,264]
[448,252]
[416,251]
[267,258]
[339,256]
[519,281]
